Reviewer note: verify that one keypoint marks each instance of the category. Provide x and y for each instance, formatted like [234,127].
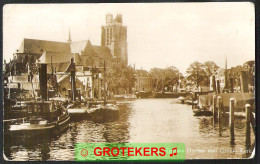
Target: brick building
[143,81]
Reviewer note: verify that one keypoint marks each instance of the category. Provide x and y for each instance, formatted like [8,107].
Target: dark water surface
[141,121]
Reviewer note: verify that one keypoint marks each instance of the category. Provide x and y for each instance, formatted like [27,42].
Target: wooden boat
[143,94]
[181,99]
[168,94]
[103,113]
[190,102]
[78,111]
[200,112]
[43,117]
[130,96]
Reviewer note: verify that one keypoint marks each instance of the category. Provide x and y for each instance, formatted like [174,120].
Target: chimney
[73,80]
[43,80]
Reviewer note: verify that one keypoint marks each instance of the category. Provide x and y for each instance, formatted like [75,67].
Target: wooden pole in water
[248,112]
[219,115]
[219,106]
[105,98]
[214,107]
[218,87]
[214,83]
[99,88]
[198,103]
[231,120]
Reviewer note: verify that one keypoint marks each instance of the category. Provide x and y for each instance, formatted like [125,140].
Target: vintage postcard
[129,81]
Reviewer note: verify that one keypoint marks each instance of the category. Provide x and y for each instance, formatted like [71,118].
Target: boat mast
[105,83]
[73,80]
[51,73]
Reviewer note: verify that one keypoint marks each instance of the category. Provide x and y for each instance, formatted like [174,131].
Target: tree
[157,78]
[235,72]
[196,73]
[172,76]
[210,69]
[120,76]
[249,67]
[167,77]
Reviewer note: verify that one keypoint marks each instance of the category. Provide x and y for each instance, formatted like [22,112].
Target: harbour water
[141,121]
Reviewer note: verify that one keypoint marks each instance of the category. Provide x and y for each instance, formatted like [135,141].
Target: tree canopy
[167,77]
[199,73]
[120,76]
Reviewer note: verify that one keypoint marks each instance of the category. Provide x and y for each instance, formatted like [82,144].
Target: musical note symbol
[173,153]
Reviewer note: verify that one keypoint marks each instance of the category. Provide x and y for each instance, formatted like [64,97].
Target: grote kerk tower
[114,36]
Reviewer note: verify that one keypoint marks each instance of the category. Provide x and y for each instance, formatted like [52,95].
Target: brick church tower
[114,36]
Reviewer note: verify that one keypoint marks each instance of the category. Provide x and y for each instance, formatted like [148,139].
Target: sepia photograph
[129,81]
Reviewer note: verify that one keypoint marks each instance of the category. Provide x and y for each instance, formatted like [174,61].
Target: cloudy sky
[159,34]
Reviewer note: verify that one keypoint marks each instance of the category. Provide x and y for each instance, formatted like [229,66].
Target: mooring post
[198,98]
[214,83]
[214,107]
[231,120]
[219,106]
[218,87]
[248,112]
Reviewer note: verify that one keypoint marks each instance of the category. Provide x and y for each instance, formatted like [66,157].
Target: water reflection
[141,121]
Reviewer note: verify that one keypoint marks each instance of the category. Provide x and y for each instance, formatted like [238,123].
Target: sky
[158,34]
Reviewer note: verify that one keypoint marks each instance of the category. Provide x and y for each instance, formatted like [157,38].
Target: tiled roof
[60,67]
[77,47]
[63,77]
[89,49]
[55,57]
[39,46]
[102,51]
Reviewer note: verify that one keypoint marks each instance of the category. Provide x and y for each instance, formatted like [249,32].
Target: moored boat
[43,117]
[202,112]
[78,111]
[181,99]
[100,112]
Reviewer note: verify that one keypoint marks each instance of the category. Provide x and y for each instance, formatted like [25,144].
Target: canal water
[141,121]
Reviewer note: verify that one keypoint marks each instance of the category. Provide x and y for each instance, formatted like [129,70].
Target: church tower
[114,36]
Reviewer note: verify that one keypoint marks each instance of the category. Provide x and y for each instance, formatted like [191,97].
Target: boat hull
[30,130]
[78,113]
[104,114]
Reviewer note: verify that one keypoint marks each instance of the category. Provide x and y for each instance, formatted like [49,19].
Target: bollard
[198,98]
[214,107]
[231,111]
[219,106]
[218,87]
[231,120]
[219,115]
[248,113]
[214,84]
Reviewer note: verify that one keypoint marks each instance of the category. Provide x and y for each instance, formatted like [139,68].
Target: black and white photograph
[128,73]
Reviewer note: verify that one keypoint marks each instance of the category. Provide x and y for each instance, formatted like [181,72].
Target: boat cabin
[46,109]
